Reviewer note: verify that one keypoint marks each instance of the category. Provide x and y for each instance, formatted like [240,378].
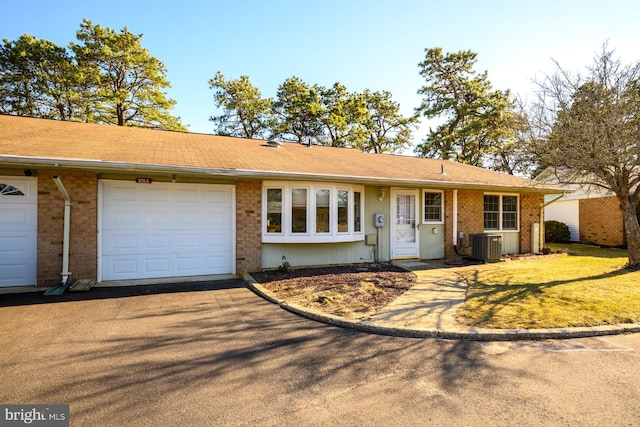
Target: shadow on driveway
[106,292]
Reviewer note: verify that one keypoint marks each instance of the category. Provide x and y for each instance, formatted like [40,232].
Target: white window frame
[265,223]
[309,225]
[311,235]
[423,205]
[500,212]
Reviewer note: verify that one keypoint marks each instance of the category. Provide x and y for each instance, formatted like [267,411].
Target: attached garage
[18,231]
[154,230]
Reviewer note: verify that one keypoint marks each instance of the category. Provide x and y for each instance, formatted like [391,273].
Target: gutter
[67,222]
[554,200]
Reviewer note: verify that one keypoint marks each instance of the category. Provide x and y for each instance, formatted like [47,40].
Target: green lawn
[586,287]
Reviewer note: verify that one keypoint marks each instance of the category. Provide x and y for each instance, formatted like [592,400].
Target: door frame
[392,220]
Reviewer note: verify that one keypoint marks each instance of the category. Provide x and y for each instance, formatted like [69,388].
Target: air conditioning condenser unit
[486,247]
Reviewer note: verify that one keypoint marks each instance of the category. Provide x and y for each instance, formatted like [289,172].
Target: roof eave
[106,166]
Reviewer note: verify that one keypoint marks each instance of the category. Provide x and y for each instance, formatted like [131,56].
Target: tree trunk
[632,231]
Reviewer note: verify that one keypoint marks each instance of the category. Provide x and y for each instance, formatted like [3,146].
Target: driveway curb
[470,334]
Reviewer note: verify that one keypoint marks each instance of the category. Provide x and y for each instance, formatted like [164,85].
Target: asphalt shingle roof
[103,147]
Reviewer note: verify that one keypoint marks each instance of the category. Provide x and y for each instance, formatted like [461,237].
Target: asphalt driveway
[214,353]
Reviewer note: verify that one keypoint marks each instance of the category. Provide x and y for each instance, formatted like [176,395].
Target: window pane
[491,212]
[405,209]
[432,206]
[357,223]
[298,210]
[9,190]
[490,220]
[509,221]
[491,203]
[509,203]
[343,211]
[509,213]
[274,210]
[322,210]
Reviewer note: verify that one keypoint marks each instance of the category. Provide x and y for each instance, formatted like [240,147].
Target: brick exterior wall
[83,243]
[471,219]
[530,211]
[82,188]
[248,226]
[601,221]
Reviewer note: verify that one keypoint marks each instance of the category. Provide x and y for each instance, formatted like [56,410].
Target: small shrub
[556,232]
[284,266]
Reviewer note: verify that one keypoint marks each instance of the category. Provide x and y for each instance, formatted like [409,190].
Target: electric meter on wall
[378,220]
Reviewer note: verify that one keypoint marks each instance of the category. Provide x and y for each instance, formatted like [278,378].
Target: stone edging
[472,334]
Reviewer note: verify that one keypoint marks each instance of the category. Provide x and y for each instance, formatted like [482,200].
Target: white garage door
[166,230]
[18,230]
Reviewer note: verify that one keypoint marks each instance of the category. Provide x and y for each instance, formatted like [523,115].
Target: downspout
[67,222]
[455,223]
[455,218]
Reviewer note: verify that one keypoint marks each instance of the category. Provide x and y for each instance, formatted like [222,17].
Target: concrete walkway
[430,304]
[428,309]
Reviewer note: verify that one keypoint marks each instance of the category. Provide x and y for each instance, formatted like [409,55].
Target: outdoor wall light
[381,192]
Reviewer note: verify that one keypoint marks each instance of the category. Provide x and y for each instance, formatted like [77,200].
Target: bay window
[311,212]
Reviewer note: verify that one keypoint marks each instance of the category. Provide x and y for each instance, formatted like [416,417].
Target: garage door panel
[215,243]
[157,242]
[122,218]
[13,271]
[216,196]
[137,266]
[121,267]
[16,244]
[168,231]
[137,243]
[187,220]
[157,267]
[187,265]
[187,195]
[216,264]
[156,218]
[119,242]
[156,195]
[15,216]
[188,241]
[123,194]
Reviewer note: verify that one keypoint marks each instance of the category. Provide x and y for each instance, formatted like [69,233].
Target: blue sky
[361,44]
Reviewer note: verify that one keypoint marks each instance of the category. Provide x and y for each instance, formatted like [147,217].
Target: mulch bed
[354,291]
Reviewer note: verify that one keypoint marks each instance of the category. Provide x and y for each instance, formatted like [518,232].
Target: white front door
[18,230]
[404,224]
